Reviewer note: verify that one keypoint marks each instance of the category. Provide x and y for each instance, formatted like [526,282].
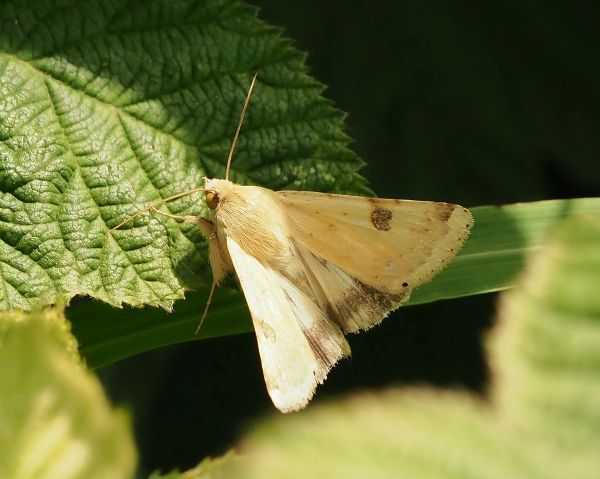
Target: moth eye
[212,199]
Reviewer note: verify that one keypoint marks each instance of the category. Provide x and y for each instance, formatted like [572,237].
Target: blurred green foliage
[55,421]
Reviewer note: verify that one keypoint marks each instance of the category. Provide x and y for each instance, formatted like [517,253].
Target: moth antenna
[210,295]
[154,205]
[239,125]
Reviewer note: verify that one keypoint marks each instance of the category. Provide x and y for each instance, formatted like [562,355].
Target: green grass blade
[494,254]
[106,335]
[490,261]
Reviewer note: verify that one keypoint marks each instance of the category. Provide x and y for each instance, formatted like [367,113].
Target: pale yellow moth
[316,266]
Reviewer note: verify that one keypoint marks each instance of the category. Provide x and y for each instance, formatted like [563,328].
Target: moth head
[215,191]
[212,199]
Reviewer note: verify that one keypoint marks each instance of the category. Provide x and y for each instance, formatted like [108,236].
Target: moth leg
[210,295]
[184,218]
[206,226]
[208,229]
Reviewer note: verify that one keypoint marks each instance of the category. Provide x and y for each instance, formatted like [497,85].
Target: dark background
[461,101]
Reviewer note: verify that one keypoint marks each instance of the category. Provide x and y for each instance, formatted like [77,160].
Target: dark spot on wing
[319,259]
[381,217]
[443,211]
[320,338]
[362,295]
[267,331]
[289,298]
[405,285]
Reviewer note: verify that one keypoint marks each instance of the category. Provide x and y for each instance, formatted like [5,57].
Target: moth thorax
[212,199]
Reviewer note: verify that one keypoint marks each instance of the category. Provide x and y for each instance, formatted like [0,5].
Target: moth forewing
[346,300]
[395,245]
[298,345]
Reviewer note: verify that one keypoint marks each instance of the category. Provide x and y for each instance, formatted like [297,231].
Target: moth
[316,266]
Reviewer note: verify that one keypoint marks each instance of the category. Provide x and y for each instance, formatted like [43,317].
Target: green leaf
[540,420]
[398,433]
[209,468]
[56,422]
[547,351]
[490,261]
[107,106]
